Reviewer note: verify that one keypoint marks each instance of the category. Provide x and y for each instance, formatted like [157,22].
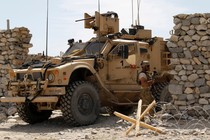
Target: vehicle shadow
[57,124]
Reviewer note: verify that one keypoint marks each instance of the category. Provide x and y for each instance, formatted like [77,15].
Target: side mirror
[124,51]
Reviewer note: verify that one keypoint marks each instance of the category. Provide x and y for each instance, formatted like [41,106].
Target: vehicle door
[122,65]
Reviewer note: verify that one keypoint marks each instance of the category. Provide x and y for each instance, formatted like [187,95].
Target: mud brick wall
[190,50]
[14,48]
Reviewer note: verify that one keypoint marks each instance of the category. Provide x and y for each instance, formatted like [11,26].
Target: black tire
[28,112]
[80,105]
[161,94]
[165,96]
[157,89]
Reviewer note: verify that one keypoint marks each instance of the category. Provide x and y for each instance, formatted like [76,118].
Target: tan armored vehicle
[101,72]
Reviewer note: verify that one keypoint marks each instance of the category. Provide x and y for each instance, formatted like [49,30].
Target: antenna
[99,6]
[132,12]
[137,21]
[47,30]
[138,8]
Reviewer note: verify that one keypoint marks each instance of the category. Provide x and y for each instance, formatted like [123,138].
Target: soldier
[145,83]
[144,79]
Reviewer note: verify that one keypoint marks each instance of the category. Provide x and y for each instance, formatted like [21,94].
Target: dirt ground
[106,128]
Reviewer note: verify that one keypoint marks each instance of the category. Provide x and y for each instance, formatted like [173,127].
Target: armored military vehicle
[100,72]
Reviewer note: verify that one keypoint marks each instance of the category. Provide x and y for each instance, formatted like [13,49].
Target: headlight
[51,77]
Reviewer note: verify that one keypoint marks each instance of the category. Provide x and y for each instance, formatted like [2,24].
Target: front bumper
[36,91]
[51,99]
[31,88]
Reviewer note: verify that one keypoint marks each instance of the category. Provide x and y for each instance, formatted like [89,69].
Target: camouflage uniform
[146,95]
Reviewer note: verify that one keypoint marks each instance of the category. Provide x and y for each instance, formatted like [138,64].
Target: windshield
[75,47]
[90,48]
[94,48]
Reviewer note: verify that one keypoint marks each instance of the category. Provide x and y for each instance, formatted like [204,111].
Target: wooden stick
[134,121]
[148,109]
[138,117]
[142,115]
[129,129]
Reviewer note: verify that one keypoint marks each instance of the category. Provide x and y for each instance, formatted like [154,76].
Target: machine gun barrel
[84,19]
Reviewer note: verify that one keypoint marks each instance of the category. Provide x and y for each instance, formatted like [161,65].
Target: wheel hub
[85,104]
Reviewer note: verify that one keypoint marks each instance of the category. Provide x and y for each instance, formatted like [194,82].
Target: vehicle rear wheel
[165,96]
[161,94]
[28,112]
[80,105]
[157,88]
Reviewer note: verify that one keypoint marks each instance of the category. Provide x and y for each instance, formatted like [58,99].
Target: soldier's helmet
[144,63]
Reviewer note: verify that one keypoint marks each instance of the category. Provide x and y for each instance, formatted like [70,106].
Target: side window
[143,53]
[132,50]
[132,55]
[118,49]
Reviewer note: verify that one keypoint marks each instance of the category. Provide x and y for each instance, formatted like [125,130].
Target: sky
[156,15]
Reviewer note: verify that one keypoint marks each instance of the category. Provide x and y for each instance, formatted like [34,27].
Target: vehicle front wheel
[29,113]
[80,105]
